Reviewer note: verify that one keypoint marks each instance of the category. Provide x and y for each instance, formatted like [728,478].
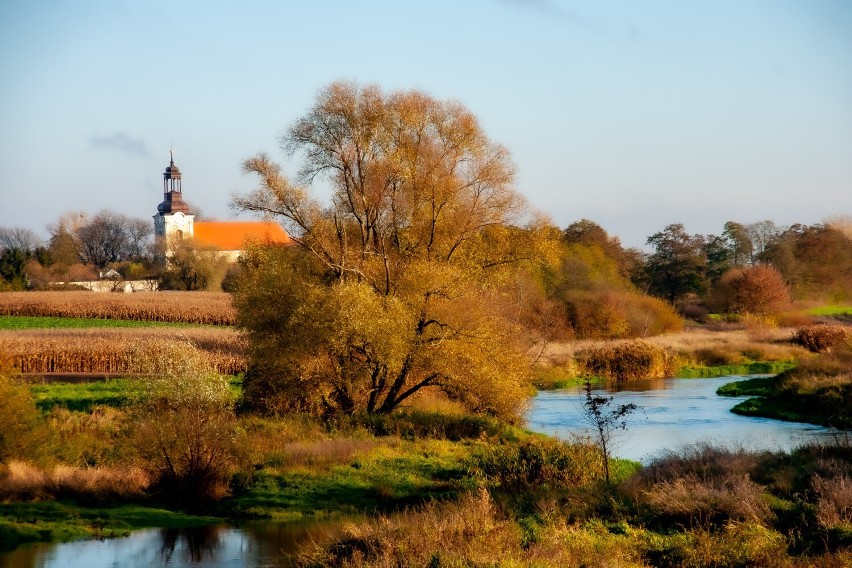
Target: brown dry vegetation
[824,338]
[114,350]
[628,361]
[212,308]
[24,481]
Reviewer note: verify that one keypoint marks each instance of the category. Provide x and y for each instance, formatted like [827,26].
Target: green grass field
[42,322]
[83,397]
[830,311]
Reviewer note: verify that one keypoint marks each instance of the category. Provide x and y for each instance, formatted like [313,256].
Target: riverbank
[500,491]
[818,392]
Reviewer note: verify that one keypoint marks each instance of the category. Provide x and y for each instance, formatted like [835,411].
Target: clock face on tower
[179,219]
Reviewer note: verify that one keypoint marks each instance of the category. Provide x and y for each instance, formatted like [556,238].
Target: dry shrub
[701,485]
[794,319]
[713,500]
[823,338]
[213,308]
[111,350]
[591,546]
[834,500]
[468,532]
[628,361]
[717,356]
[24,481]
[707,347]
[695,312]
[821,386]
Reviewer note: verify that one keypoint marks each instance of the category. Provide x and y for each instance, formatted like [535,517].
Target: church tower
[173,219]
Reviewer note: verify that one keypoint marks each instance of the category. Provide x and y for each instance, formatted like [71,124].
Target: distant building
[174,222]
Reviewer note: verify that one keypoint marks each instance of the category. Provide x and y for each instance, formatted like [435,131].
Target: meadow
[427,485]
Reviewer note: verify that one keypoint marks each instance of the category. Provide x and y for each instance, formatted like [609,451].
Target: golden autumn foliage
[399,283]
[213,308]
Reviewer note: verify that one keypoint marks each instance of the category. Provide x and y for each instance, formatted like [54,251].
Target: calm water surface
[674,413]
[253,545]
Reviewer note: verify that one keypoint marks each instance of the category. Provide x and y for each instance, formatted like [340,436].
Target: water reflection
[252,545]
[192,545]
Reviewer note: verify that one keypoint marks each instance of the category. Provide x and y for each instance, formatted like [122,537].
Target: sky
[631,114]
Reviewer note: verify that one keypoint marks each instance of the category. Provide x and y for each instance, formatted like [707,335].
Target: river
[672,413]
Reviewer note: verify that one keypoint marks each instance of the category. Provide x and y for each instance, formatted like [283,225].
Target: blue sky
[632,114]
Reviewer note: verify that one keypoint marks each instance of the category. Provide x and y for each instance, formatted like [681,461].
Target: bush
[537,462]
[702,485]
[628,361]
[22,432]
[834,500]
[755,290]
[823,338]
[186,429]
[619,314]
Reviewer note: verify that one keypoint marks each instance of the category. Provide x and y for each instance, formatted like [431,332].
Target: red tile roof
[232,235]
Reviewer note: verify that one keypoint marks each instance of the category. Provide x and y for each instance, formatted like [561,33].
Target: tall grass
[23,481]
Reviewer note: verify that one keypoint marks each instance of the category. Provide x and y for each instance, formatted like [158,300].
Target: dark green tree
[676,268]
[12,263]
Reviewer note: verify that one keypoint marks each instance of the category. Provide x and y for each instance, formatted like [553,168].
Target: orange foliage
[616,314]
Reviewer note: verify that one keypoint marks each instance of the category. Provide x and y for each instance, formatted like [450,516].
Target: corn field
[115,350]
[212,308]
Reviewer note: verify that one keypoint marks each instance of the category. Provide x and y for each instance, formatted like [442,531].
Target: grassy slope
[768,402]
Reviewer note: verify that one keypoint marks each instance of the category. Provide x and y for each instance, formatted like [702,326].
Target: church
[174,222]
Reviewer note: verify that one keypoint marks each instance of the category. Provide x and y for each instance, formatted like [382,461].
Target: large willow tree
[406,279]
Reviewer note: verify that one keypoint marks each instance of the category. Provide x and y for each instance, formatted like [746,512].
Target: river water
[672,413]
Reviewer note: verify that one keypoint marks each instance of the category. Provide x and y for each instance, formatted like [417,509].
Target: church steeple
[172,192]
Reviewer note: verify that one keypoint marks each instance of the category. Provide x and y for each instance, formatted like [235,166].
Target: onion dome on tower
[172,195]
